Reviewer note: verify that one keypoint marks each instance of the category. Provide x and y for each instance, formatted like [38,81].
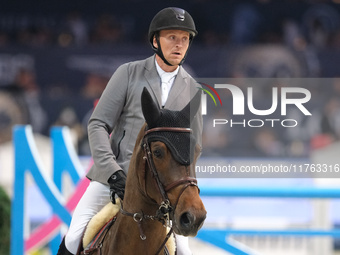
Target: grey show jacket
[119,113]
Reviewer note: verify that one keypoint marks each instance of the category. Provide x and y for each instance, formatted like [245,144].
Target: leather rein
[165,208]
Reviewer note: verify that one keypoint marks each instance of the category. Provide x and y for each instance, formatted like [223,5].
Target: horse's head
[171,152]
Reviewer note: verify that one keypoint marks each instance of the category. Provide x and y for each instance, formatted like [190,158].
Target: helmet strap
[159,51]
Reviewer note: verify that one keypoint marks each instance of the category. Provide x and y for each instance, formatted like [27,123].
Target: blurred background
[57,56]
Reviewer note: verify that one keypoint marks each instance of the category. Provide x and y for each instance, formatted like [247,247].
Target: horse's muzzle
[189,223]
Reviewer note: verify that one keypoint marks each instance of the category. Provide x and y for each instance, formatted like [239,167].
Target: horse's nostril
[186,219]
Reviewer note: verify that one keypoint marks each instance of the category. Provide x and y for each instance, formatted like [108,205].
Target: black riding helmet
[171,18]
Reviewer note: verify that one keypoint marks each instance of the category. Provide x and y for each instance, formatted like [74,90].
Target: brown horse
[161,188]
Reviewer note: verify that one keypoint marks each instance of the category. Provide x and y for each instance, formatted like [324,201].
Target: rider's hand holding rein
[117,185]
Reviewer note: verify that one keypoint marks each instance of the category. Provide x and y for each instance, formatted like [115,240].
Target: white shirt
[167,79]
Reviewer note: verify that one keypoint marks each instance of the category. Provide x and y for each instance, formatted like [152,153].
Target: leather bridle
[165,208]
[188,181]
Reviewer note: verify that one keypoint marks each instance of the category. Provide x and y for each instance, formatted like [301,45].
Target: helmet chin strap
[159,51]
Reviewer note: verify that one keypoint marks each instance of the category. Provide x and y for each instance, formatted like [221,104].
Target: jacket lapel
[153,79]
[177,88]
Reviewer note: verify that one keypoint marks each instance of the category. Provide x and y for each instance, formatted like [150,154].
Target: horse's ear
[191,108]
[150,109]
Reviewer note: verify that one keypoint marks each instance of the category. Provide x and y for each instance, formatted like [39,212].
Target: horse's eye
[158,153]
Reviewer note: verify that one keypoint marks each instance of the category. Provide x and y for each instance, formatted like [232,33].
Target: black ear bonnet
[181,144]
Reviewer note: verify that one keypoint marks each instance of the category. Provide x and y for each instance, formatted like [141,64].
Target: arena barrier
[220,237]
[28,161]
[65,160]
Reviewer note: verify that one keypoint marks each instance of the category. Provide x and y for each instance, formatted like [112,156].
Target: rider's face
[174,44]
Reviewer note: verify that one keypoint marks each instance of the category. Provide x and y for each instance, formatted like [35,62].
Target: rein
[162,214]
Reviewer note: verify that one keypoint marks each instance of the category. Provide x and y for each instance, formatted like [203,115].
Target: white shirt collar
[167,79]
[166,76]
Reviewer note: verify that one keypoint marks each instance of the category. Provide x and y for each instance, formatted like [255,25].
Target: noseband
[165,207]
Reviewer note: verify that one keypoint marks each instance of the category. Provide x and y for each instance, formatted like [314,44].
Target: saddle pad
[100,220]
[95,245]
[170,246]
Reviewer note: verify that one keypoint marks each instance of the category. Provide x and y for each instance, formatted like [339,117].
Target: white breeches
[96,196]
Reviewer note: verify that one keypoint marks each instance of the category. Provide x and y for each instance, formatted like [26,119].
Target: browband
[168,129]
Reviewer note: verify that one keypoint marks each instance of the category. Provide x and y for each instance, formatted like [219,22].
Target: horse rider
[117,118]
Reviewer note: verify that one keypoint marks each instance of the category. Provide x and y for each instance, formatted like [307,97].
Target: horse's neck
[126,232]
[136,198]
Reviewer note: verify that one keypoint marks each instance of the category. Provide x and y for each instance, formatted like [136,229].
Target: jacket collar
[154,81]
